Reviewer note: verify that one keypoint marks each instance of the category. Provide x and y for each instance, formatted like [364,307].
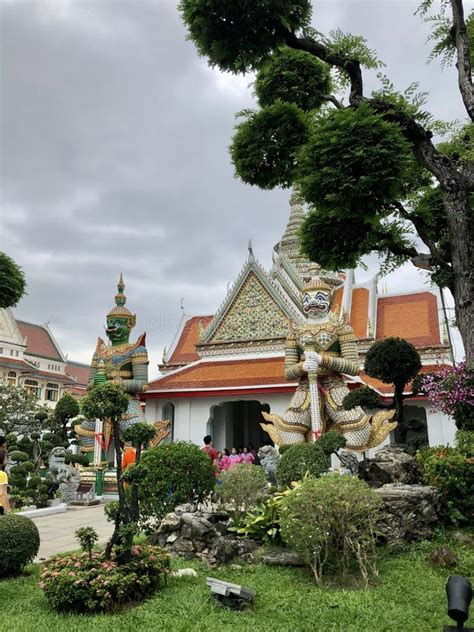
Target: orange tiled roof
[80,372]
[387,389]
[185,350]
[412,316]
[39,342]
[224,374]
[16,363]
[359,311]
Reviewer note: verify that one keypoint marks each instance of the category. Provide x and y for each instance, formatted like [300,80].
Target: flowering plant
[83,582]
[451,390]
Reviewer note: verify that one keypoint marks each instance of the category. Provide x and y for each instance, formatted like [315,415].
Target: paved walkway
[57,531]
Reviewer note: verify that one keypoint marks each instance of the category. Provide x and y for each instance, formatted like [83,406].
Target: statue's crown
[120,309]
[315,282]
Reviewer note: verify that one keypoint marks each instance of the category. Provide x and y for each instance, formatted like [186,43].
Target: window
[11,352]
[33,388]
[1,349]
[52,392]
[17,353]
[11,378]
[168,414]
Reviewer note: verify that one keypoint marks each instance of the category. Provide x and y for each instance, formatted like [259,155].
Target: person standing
[234,458]
[209,449]
[4,502]
[246,456]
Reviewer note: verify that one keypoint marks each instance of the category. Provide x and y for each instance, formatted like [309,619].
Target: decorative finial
[250,249]
[120,309]
[164,358]
[181,304]
[120,298]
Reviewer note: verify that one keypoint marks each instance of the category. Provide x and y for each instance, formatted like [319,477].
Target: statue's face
[317,303]
[117,329]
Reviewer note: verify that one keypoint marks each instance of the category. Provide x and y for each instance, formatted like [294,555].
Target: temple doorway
[235,424]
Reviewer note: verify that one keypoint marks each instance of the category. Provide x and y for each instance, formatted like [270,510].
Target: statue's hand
[310,365]
[313,355]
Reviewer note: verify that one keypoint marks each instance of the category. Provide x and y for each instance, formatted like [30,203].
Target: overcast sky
[114,158]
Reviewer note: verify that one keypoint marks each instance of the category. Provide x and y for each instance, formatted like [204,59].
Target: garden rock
[191,532]
[282,558]
[409,513]
[389,465]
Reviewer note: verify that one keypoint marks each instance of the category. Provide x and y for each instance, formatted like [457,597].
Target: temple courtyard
[57,530]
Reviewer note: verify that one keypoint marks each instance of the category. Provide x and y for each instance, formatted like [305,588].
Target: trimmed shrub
[452,472]
[465,442]
[76,583]
[169,475]
[19,543]
[242,487]
[331,522]
[299,460]
[80,459]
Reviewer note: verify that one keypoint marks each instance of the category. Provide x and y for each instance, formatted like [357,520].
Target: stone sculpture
[318,353]
[269,457]
[122,362]
[66,477]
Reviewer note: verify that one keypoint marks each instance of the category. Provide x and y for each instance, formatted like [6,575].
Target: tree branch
[351,66]
[422,230]
[332,99]
[463,64]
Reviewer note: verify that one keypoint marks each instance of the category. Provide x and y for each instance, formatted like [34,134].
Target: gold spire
[120,310]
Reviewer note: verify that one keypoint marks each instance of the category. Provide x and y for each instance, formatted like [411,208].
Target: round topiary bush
[243,487]
[169,475]
[299,460]
[19,543]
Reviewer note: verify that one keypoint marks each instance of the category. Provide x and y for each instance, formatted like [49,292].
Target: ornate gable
[254,314]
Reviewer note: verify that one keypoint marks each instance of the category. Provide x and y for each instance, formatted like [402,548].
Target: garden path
[57,531]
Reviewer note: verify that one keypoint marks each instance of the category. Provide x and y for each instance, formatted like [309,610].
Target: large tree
[19,411]
[366,164]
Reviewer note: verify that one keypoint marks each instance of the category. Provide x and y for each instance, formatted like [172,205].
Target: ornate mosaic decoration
[253,314]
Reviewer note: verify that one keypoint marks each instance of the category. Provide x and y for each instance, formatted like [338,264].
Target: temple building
[223,370]
[30,357]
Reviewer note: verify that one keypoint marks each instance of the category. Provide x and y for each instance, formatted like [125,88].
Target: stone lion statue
[66,477]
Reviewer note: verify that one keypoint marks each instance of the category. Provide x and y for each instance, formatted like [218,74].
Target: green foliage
[460,147]
[465,442]
[331,523]
[242,488]
[88,582]
[264,146]
[351,47]
[139,434]
[393,361]
[331,442]
[19,543]
[443,37]
[66,408]
[106,401]
[168,475]
[12,282]
[87,537]
[17,456]
[354,164]
[73,459]
[299,460]
[363,396]
[238,36]
[263,522]
[293,76]
[18,408]
[452,472]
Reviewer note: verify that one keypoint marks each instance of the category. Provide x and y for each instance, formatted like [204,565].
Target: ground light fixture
[459,593]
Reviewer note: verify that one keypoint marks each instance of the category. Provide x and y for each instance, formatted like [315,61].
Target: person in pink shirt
[234,458]
[223,460]
[246,456]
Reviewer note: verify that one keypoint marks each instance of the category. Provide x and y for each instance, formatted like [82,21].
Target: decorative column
[98,442]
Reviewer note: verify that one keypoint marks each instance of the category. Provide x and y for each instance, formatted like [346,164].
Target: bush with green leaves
[293,76]
[12,282]
[169,475]
[331,522]
[79,459]
[87,537]
[82,583]
[465,442]
[299,460]
[364,396]
[241,488]
[19,543]
[257,145]
[452,472]
[237,36]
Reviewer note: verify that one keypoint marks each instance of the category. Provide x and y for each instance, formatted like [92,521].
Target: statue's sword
[314,393]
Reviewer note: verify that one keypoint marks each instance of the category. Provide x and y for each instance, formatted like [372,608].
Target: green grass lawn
[408,597]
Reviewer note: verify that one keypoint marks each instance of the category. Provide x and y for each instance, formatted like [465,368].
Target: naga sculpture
[318,353]
[122,362]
